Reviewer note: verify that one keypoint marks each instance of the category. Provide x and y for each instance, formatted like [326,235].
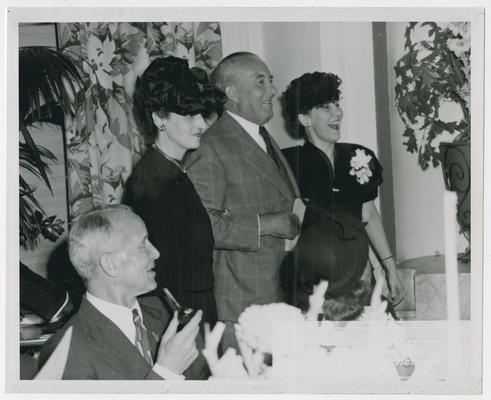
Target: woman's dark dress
[178,226]
[333,244]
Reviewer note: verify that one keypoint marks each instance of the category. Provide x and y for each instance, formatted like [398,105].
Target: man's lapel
[116,350]
[252,153]
[286,167]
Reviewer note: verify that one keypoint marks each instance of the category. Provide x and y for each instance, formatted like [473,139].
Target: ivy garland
[432,72]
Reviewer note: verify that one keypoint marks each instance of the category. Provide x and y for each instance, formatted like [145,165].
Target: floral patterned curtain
[102,141]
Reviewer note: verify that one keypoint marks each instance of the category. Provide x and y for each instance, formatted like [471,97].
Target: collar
[251,128]
[172,160]
[311,148]
[121,316]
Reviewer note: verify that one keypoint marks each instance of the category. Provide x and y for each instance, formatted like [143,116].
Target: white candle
[452,282]
[451,270]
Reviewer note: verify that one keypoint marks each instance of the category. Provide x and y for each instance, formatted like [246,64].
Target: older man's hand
[285,225]
[178,349]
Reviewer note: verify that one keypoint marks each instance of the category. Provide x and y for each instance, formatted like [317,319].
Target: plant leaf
[36,157]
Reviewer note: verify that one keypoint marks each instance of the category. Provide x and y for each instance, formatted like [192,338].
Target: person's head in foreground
[109,248]
[347,306]
[172,103]
[248,84]
[312,105]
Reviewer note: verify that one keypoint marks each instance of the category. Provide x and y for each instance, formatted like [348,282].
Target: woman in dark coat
[340,183]
[171,106]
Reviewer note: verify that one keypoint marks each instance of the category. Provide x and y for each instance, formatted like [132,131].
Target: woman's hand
[397,292]
[376,234]
[381,280]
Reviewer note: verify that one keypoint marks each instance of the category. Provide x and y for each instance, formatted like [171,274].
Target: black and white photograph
[245,200]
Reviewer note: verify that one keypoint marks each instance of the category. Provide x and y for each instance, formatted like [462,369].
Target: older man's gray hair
[226,71]
[91,234]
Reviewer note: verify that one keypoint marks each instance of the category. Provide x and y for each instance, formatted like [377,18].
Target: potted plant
[49,84]
[433,99]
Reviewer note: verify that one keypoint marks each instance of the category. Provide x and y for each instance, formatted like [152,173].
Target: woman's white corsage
[360,166]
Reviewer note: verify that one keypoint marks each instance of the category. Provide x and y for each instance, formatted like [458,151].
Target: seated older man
[115,335]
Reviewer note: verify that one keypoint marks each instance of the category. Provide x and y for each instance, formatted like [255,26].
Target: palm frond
[49,86]
[48,77]
[50,113]
[34,153]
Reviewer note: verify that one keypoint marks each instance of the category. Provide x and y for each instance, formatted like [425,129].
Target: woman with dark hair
[171,105]
[348,306]
[215,108]
[340,183]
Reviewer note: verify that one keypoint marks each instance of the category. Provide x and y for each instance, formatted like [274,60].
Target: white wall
[37,35]
[347,50]
[242,36]
[418,195]
[290,50]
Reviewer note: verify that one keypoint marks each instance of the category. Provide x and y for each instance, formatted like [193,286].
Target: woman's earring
[162,128]
[308,125]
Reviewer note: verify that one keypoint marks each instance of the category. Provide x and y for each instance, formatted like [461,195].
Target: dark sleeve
[232,231]
[371,191]
[292,155]
[158,203]
[151,193]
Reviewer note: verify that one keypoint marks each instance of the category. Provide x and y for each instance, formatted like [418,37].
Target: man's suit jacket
[100,350]
[237,181]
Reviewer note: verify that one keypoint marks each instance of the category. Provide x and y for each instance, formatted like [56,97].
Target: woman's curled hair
[347,306]
[168,85]
[309,91]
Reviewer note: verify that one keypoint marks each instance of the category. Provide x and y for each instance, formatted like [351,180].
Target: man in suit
[116,336]
[248,190]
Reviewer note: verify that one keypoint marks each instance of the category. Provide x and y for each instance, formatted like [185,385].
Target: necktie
[269,147]
[141,338]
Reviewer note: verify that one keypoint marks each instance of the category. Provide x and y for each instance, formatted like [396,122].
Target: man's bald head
[228,70]
[248,84]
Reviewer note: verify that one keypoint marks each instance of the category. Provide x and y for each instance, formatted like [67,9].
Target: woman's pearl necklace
[171,159]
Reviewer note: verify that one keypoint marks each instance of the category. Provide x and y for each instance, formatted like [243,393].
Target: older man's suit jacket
[237,181]
[100,350]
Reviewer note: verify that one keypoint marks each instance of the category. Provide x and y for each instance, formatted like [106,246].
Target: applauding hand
[230,365]
[377,309]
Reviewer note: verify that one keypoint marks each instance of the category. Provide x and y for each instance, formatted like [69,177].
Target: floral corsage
[360,166]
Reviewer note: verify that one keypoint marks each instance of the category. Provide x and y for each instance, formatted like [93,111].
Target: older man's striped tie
[141,338]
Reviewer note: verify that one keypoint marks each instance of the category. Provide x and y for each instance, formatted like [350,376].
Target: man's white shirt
[251,128]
